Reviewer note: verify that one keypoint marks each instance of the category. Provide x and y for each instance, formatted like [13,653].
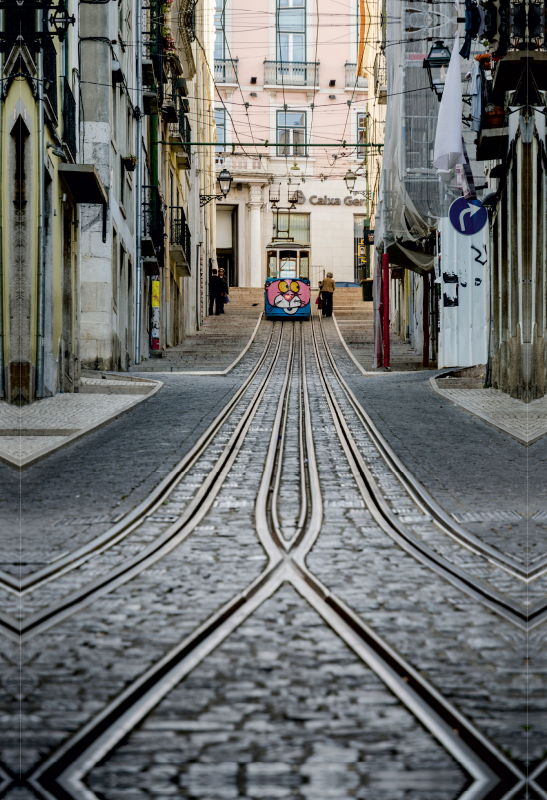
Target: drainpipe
[41,238]
[425,315]
[385,303]
[2,383]
[138,203]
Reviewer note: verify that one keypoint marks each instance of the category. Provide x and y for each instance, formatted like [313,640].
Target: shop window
[291,133]
[360,248]
[299,226]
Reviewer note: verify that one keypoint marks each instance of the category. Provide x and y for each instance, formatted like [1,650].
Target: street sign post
[467,216]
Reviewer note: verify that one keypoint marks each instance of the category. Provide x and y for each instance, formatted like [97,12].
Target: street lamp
[224,181]
[437,67]
[350,178]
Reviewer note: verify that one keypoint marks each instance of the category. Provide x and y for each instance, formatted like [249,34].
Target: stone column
[255,254]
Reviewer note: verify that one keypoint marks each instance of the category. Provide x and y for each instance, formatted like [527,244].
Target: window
[361,133]
[361,249]
[220,120]
[299,226]
[291,30]
[220,41]
[291,133]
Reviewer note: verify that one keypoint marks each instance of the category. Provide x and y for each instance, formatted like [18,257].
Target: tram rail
[492,776]
[383,514]
[177,531]
[146,508]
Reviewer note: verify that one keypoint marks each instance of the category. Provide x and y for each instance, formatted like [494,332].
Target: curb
[29,461]
[488,420]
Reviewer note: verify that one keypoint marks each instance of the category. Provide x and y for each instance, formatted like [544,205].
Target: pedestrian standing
[225,289]
[215,293]
[327,291]
[320,299]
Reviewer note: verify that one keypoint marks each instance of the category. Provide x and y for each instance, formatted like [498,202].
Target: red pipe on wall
[385,307]
[425,314]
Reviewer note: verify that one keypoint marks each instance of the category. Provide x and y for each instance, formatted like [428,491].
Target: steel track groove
[492,775]
[390,523]
[422,496]
[167,541]
[145,509]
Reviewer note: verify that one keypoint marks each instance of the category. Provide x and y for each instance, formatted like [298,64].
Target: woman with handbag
[319,300]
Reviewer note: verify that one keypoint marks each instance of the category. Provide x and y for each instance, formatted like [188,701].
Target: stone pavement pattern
[282,707]
[220,341]
[355,320]
[525,421]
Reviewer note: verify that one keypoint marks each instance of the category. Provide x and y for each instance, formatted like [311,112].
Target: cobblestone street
[292,580]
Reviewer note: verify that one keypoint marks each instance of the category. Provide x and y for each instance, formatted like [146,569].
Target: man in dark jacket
[225,289]
[215,293]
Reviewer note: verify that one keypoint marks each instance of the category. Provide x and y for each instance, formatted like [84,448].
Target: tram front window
[272,265]
[304,262]
[287,264]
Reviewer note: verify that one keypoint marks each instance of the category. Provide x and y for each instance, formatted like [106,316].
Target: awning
[400,256]
[84,183]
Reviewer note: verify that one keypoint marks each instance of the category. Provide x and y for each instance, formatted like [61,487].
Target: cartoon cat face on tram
[288,295]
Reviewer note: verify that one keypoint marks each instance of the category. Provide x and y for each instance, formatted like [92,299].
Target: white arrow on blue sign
[467,216]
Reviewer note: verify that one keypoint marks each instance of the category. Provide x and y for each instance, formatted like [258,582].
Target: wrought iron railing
[69,118]
[291,73]
[152,217]
[354,81]
[182,128]
[226,70]
[179,234]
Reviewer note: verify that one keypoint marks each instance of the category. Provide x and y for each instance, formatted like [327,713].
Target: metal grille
[180,232]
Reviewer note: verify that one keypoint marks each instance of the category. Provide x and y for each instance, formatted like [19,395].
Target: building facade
[281,79]
[104,247]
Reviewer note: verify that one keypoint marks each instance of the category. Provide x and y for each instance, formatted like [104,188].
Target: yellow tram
[287,287]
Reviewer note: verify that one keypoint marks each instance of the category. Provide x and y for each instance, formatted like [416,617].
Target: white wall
[463,336]
[224,227]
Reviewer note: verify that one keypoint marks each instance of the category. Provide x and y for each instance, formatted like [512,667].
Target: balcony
[226,70]
[291,74]
[69,118]
[180,135]
[180,242]
[354,81]
[153,227]
[380,79]
[241,163]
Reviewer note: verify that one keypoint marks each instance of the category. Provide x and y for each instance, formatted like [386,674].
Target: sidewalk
[31,433]
[219,343]
[355,322]
[525,422]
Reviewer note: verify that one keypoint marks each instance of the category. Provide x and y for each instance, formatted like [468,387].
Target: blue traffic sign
[467,216]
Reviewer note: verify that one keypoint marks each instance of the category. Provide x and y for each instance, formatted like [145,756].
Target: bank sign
[336,201]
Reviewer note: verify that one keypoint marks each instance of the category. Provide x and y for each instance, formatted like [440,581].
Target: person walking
[327,290]
[215,293]
[225,289]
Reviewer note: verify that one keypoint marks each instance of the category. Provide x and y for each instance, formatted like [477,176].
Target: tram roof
[285,245]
